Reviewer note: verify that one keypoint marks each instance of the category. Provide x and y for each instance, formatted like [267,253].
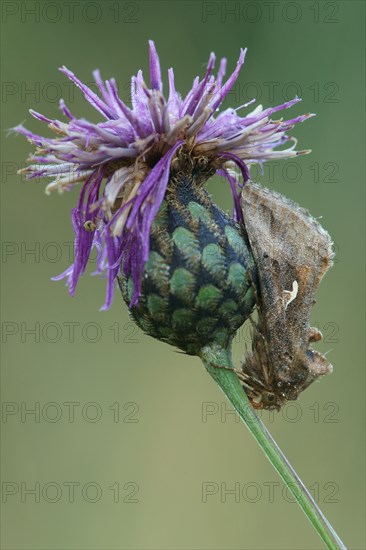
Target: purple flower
[123,163]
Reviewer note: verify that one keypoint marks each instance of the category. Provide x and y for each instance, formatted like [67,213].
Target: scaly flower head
[123,163]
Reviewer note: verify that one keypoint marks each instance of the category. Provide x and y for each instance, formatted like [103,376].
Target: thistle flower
[187,269]
[124,163]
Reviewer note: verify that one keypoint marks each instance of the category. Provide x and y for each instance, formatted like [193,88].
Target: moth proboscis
[292,252]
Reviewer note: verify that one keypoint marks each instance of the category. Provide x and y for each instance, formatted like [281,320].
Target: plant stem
[214,357]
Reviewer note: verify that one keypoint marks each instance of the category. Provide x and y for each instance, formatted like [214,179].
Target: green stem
[227,379]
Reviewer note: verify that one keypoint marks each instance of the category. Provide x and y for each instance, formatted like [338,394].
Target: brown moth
[292,252]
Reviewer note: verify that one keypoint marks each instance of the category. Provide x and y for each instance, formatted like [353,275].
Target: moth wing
[292,252]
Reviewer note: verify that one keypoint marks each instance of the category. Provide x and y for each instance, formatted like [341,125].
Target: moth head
[259,384]
[266,400]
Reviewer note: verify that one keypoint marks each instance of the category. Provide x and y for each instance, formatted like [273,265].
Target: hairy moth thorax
[196,289]
[292,253]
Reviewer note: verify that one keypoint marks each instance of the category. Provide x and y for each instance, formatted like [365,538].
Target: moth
[292,252]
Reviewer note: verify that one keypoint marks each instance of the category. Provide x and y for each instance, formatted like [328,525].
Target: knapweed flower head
[123,163]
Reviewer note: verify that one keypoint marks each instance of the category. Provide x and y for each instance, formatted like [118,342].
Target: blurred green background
[131,444]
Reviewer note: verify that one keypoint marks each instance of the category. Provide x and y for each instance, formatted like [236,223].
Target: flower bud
[197,284]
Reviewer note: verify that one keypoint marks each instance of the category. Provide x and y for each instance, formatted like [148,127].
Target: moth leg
[241,376]
[315,335]
[255,290]
[252,322]
[237,372]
